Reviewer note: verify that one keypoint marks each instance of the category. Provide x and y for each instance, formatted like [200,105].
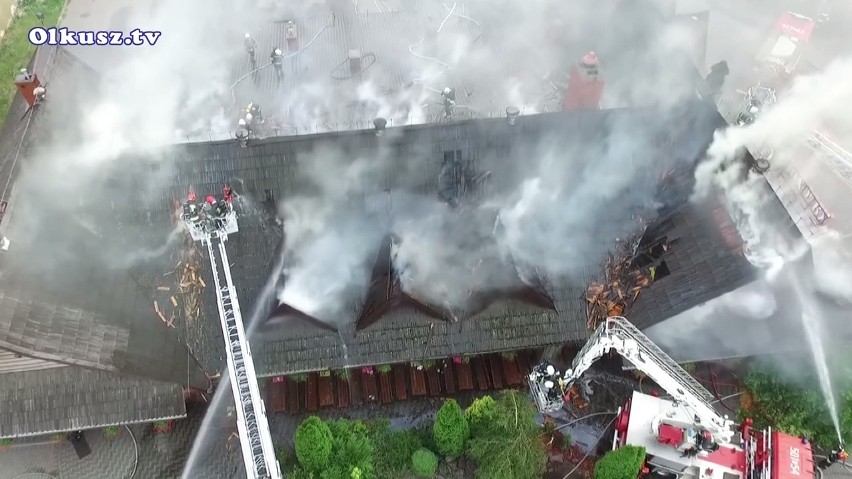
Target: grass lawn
[16,50]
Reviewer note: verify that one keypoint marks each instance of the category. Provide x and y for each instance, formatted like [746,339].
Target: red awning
[791,457]
[797,26]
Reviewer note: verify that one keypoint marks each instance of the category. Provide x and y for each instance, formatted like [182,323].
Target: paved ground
[163,455]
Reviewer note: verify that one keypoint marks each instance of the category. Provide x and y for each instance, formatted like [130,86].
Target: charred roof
[385,293]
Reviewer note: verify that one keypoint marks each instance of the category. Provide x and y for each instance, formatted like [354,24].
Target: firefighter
[716,79]
[242,133]
[40,93]
[254,110]
[227,193]
[836,455]
[190,208]
[449,97]
[277,57]
[251,49]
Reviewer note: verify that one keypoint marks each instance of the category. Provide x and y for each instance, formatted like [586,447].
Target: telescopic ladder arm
[618,334]
[255,438]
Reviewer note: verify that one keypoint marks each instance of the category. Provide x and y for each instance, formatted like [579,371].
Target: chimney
[380,124]
[27,82]
[585,87]
[512,114]
[292,37]
[354,62]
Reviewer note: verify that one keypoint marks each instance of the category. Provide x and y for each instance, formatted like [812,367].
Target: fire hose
[593,447]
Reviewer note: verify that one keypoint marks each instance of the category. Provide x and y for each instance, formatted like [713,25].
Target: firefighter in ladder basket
[242,133]
[190,209]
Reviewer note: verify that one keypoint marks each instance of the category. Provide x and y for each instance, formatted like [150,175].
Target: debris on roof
[623,280]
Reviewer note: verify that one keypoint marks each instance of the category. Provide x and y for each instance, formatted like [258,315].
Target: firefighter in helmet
[254,110]
[242,133]
[251,49]
[836,455]
[449,97]
[277,58]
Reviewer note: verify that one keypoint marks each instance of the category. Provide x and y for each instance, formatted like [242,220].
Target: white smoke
[814,270]
[559,211]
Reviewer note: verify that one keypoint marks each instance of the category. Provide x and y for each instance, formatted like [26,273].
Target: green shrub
[355,474]
[450,430]
[567,440]
[342,374]
[112,432]
[688,367]
[300,377]
[313,444]
[351,448]
[384,368]
[424,463]
[6,441]
[622,463]
[481,415]
[393,455]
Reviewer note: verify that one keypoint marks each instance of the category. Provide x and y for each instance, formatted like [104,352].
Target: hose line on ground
[594,446]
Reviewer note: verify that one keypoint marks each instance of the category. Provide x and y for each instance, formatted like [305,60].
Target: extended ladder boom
[616,333]
[255,438]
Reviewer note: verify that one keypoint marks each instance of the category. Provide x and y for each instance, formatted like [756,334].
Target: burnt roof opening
[386,294]
[286,314]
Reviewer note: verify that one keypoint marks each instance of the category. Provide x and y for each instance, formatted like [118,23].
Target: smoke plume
[807,271]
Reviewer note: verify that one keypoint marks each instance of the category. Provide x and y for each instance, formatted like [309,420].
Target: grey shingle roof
[72,398]
[702,267]
[271,167]
[68,306]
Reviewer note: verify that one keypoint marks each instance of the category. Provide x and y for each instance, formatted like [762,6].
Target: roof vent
[355,61]
[380,124]
[512,114]
[761,165]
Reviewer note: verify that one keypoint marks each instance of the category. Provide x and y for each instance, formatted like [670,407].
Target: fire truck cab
[676,451]
[782,50]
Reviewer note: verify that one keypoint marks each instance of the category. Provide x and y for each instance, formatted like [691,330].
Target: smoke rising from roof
[767,315]
[559,210]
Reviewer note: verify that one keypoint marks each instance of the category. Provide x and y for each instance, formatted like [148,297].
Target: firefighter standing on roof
[251,48]
[278,62]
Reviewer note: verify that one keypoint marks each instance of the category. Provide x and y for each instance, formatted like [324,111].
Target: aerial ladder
[211,224]
[619,335]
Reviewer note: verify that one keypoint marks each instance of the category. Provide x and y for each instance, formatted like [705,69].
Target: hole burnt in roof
[386,295]
[285,313]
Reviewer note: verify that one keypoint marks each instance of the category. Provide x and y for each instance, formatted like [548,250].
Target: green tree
[481,415]
[424,463]
[450,430]
[313,444]
[622,463]
[797,409]
[511,448]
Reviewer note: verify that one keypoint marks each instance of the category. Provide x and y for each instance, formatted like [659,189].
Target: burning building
[118,324]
